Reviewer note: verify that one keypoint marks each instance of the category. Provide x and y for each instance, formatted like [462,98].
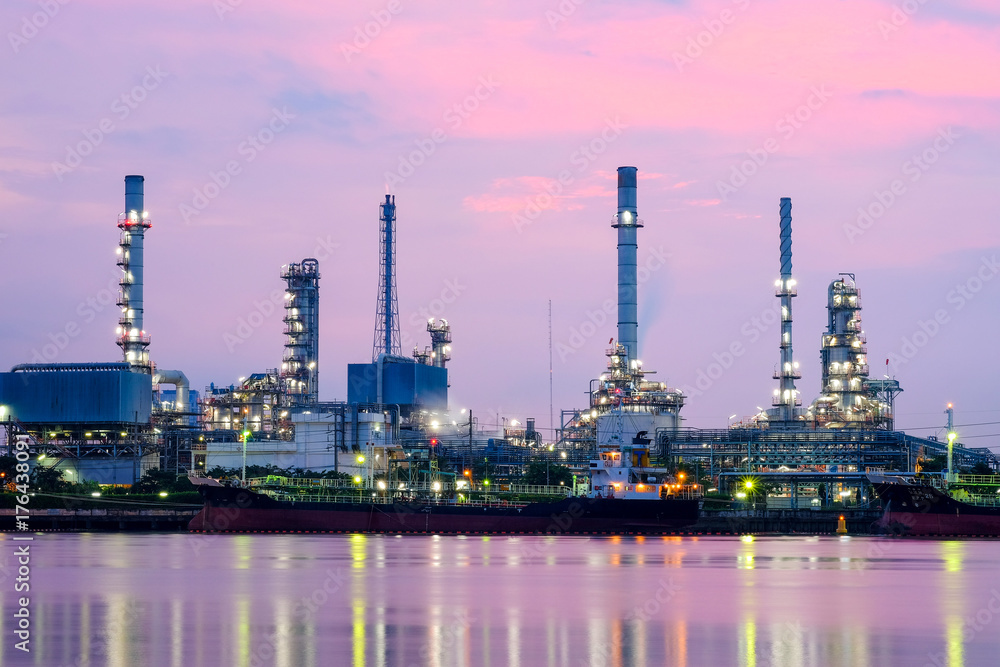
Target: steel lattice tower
[387,312]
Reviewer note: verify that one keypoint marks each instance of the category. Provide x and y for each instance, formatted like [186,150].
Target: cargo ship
[963,506]
[625,496]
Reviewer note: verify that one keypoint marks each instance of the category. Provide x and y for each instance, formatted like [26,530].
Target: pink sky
[537,83]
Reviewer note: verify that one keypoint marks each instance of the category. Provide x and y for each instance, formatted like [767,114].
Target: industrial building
[110,422]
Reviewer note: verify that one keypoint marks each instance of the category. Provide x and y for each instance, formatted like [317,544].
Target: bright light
[844,494]
[96,494]
[357,479]
[467,473]
[163,494]
[361,459]
[681,476]
[562,454]
[486,482]
[749,484]
[41,457]
[381,485]
[593,413]
[952,436]
[740,494]
[436,486]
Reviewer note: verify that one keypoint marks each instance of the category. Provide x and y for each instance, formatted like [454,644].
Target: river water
[131,600]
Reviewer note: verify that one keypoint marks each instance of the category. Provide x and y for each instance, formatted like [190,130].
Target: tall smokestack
[387,310]
[787,397]
[133,224]
[627,223]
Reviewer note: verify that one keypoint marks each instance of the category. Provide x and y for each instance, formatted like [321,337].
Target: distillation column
[627,222]
[787,396]
[133,223]
[300,365]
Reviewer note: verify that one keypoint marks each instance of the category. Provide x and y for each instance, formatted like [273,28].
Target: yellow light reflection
[748,644]
[358,631]
[953,637]
[954,556]
[359,552]
[242,636]
[242,545]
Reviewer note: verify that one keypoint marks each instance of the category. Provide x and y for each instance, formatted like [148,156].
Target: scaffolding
[133,341]
[753,450]
[299,366]
[256,406]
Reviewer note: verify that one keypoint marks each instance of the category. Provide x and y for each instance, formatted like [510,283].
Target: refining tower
[300,365]
[387,312]
[133,223]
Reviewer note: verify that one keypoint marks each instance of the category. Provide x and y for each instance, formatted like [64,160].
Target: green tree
[49,480]
[934,463]
[155,481]
[536,474]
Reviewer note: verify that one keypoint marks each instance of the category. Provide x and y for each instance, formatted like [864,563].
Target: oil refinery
[110,422]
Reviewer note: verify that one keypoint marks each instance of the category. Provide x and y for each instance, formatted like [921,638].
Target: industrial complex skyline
[271,134]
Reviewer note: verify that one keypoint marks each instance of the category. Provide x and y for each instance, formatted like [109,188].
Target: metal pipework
[180,382]
[787,373]
[627,223]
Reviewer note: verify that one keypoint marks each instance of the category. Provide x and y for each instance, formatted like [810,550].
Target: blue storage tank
[77,394]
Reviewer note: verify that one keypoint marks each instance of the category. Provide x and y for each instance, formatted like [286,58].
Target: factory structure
[113,421]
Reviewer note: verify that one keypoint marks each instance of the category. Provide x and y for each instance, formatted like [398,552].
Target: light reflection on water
[383,601]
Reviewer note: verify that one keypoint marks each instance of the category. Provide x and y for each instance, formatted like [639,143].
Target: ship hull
[229,510]
[923,511]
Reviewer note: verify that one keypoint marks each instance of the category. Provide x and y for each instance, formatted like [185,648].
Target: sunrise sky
[269,131]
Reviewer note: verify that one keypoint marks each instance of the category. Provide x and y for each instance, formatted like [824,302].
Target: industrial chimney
[133,223]
[627,222]
[387,310]
[786,397]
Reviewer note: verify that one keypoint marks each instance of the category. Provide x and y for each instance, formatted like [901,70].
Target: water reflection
[375,601]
